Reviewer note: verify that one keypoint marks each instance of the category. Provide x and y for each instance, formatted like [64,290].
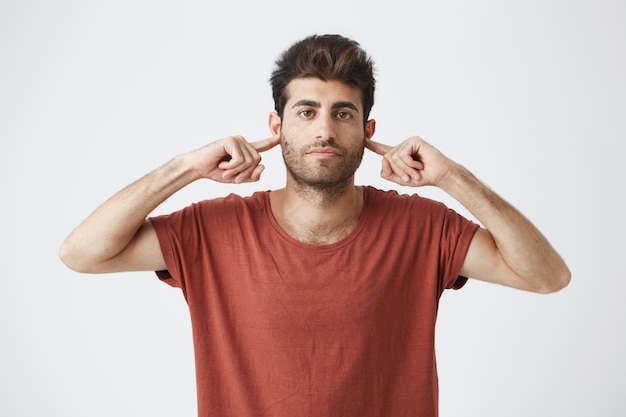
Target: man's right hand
[117,237]
[231,160]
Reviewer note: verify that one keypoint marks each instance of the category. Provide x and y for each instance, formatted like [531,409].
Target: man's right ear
[275,123]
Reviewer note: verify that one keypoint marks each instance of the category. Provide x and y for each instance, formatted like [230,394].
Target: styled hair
[329,58]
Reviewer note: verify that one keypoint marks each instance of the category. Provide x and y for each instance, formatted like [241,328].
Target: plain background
[531,96]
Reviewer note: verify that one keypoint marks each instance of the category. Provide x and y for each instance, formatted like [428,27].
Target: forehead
[324,92]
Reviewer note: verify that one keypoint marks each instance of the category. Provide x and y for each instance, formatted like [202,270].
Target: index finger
[265,144]
[376,147]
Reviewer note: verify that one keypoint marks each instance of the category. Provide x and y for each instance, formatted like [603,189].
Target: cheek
[286,144]
[289,131]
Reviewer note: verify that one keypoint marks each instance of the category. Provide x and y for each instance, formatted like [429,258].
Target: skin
[323,140]
[323,137]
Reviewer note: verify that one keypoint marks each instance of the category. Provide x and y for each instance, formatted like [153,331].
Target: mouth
[323,152]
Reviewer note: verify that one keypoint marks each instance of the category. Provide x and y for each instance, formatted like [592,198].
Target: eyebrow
[317,105]
[345,104]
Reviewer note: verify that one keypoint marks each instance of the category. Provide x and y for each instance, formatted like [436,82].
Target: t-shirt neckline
[363,218]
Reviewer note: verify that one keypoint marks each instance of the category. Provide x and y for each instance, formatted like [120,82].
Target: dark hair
[329,58]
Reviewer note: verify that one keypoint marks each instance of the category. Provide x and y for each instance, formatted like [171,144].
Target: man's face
[322,132]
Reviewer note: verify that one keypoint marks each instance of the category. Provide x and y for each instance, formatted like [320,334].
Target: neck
[317,216]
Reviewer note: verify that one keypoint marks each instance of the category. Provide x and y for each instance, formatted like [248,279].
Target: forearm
[522,247]
[112,226]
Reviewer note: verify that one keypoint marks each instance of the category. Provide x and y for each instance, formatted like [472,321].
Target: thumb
[379,148]
[266,144]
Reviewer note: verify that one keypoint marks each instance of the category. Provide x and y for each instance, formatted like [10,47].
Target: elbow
[72,258]
[557,281]
[67,256]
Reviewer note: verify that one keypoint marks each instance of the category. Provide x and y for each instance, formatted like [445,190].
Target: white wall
[531,96]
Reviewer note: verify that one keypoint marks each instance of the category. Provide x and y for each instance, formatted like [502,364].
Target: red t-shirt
[283,328]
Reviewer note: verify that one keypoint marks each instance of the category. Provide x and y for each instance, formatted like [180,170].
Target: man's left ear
[370,128]
[274,123]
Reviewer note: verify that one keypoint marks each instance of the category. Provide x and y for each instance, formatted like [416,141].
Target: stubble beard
[324,178]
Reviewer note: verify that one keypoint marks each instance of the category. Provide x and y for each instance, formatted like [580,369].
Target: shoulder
[232,202]
[217,209]
[408,208]
[391,198]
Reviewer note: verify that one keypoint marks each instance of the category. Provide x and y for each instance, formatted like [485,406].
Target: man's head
[328,58]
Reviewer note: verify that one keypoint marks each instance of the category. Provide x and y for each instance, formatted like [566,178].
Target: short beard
[315,181]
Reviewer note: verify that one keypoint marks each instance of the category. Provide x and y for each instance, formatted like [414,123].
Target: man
[318,299]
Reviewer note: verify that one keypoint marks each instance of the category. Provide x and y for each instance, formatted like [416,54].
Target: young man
[318,299]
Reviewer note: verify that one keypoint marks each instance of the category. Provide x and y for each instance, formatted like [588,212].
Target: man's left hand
[413,162]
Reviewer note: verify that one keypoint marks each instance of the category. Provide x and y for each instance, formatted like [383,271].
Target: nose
[325,129]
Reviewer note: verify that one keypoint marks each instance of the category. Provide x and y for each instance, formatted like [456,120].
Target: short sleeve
[457,235]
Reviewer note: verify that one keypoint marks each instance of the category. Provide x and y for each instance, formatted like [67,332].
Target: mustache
[323,143]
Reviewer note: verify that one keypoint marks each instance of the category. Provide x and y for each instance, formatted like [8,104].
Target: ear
[275,123]
[370,128]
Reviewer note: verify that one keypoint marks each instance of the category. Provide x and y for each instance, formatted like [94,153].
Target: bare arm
[117,237]
[511,251]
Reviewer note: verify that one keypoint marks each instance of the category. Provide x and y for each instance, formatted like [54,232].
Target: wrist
[456,177]
[186,166]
